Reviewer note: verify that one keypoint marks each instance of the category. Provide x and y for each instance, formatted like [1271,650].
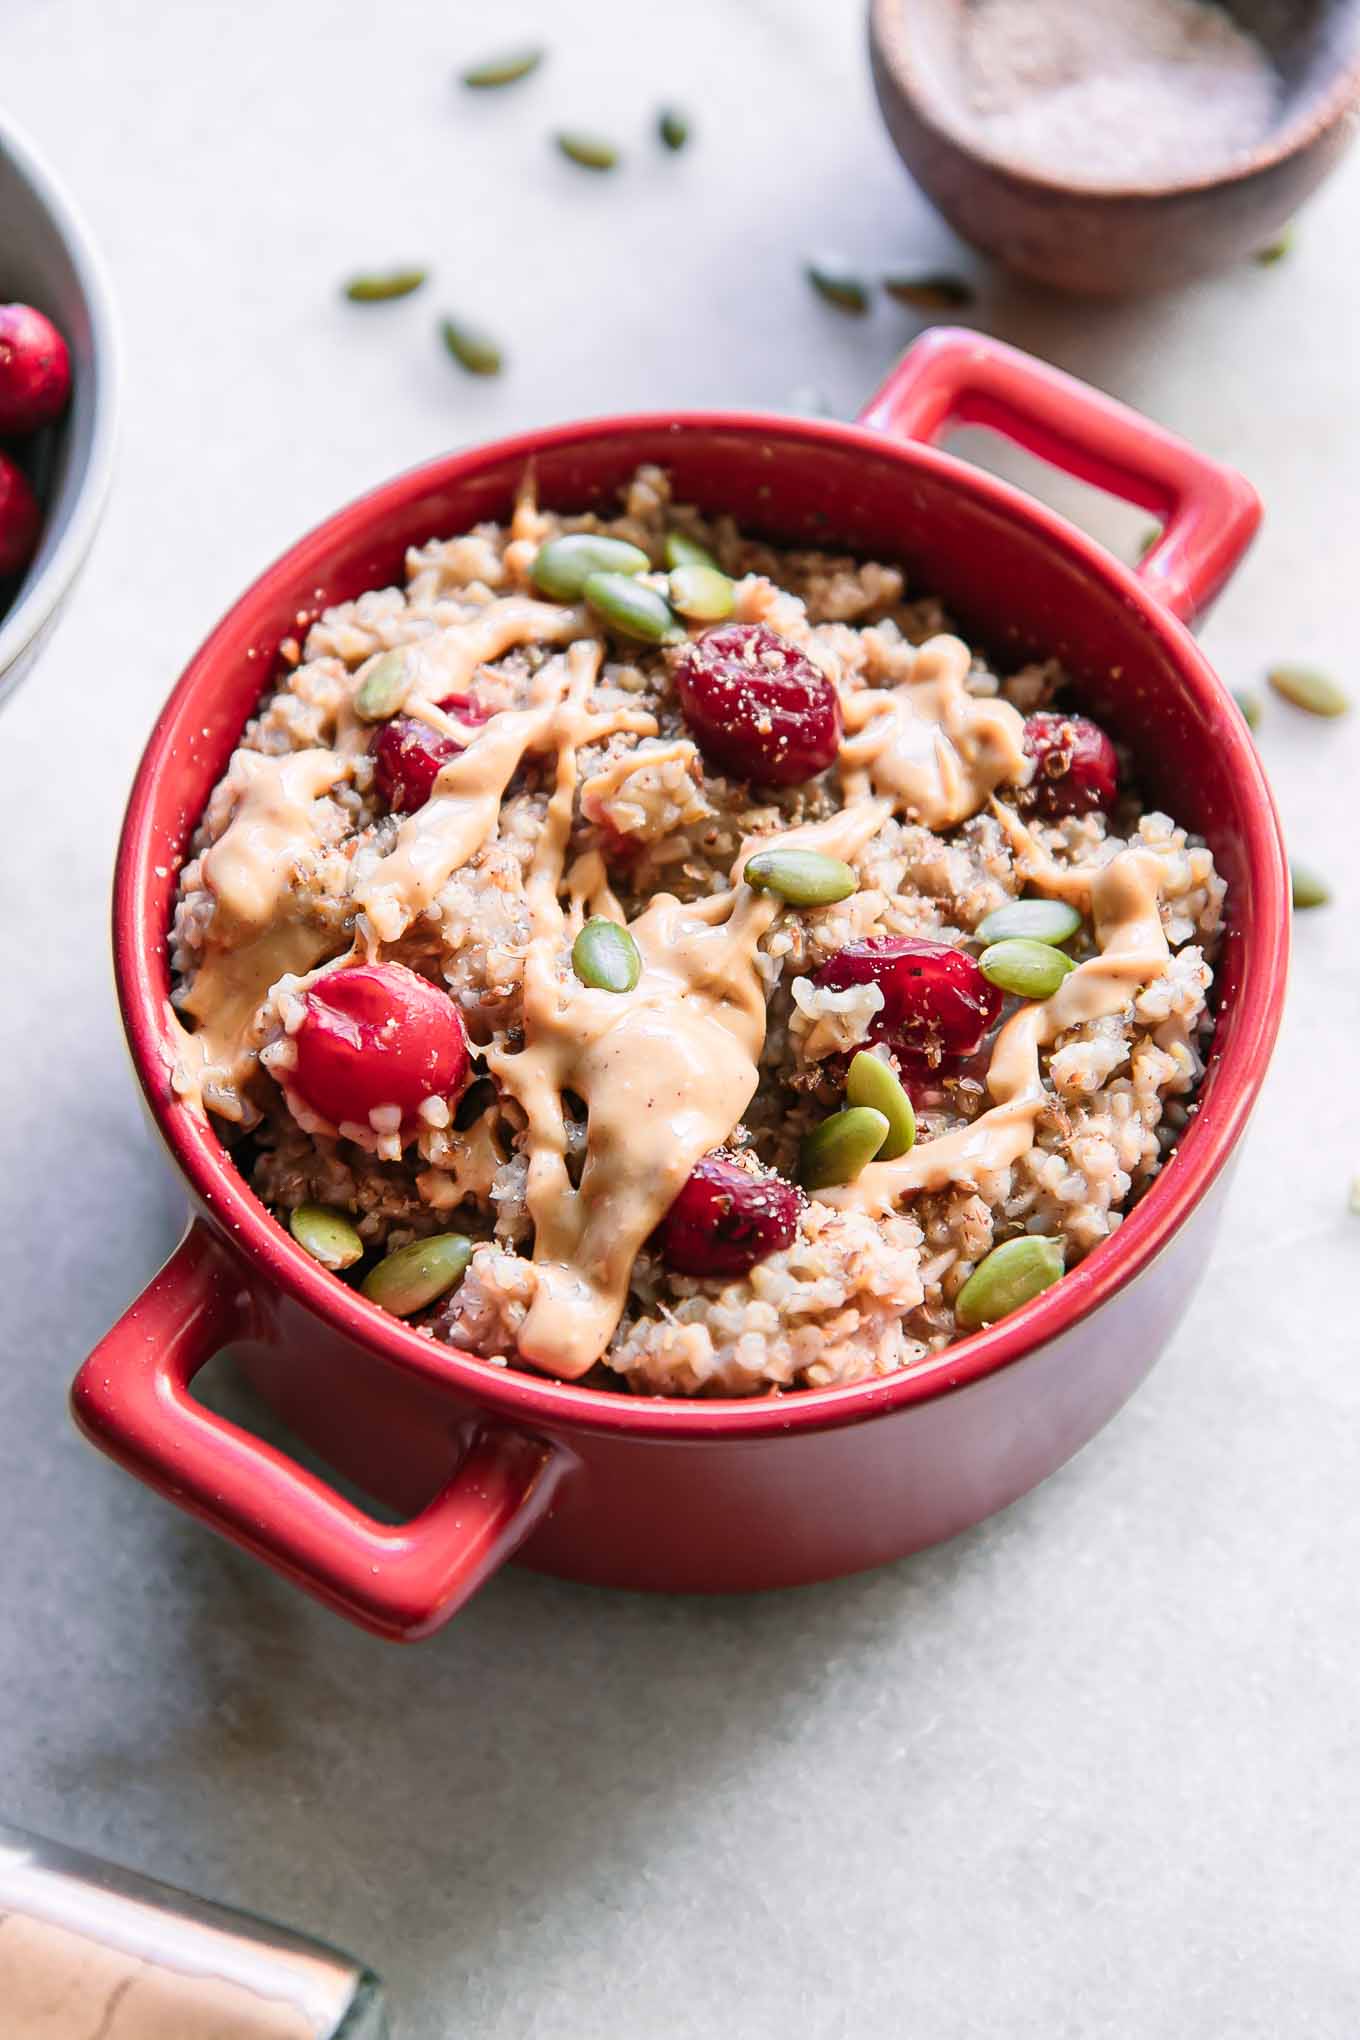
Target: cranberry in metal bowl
[20,519]
[757,706]
[1075,768]
[936,1002]
[725,1220]
[35,371]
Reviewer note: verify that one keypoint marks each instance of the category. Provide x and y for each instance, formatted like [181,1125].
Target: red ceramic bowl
[703,1495]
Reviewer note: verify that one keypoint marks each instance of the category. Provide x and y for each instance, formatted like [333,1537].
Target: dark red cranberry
[936,1002]
[408,755]
[35,371]
[756,706]
[725,1220]
[1075,768]
[376,1035]
[20,519]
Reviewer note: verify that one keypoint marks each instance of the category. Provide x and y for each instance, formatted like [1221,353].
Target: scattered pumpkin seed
[841,1146]
[1250,705]
[507,69]
[379,286]
[702,592]
[1010,1275]
[418,1274]
[869,1081]
[1052,921]
[1354,1197]
[563,566]
[383,688]
[1030,969]
[1309,689]
[477,352]
[592,152]
[801,878]
[673,127]
[1151,535]
[847,293]
[683,551]
[1308,888]
[1276,250]
[633,608]
[327,1235]
[605,956]
[930,292]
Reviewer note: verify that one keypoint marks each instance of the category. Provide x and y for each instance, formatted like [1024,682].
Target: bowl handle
[131,1398]
[1209,512]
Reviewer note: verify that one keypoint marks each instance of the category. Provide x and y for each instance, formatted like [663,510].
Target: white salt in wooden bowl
[1149,230]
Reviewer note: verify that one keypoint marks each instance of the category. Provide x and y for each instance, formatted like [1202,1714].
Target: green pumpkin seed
[870,1082]
[1151,536]
[1250,705]
[1276,250]
[327,1235]
[1307,688]
[682,551]
[563,566]
[378,288]
[592,152]
[846,292]
[1051,921]
[704,593]
[503,70]
[1009,1276]
[1032,970]
[419,1274]
[841,1146]
[1354,1197]
[673,127]
[605,956]
[801,878]
[1308,888]
[383,688]
[930,293]
[633,609]
[477,352]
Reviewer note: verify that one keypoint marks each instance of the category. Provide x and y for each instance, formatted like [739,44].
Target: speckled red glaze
[710,1495]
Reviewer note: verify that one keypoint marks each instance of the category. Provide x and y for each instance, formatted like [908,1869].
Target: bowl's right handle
[1209,512]
[132,1399]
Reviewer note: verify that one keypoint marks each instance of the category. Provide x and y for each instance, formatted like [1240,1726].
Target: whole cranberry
[725,1220]
[377,1035]
[35,371]
[756,706]
[20,519]
[936,1002]
[1075,768]
[408,755]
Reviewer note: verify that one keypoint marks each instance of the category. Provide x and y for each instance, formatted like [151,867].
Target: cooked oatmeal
[385,998]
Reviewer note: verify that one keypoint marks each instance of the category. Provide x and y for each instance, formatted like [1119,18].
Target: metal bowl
[47,259]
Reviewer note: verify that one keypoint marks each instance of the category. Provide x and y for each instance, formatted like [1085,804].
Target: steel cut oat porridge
[469,970]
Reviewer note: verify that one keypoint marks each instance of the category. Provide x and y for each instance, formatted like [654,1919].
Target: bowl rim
[890,45]
[541,1403]
[37,604]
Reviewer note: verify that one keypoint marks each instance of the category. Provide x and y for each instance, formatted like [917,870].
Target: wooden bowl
[1112,242]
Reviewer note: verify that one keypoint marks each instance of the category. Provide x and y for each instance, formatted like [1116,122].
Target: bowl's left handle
[1209,512]
[132,1399]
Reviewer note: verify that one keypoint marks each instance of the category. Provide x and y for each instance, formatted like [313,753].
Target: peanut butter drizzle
[1125,897]
[933,749]
[259,931]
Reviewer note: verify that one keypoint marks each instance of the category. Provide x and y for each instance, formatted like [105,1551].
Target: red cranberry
[1075,769]
[20,519]
[936,1002]
[756,706]
[725,1220]
[35,371]
[377,1035]
[408,755]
